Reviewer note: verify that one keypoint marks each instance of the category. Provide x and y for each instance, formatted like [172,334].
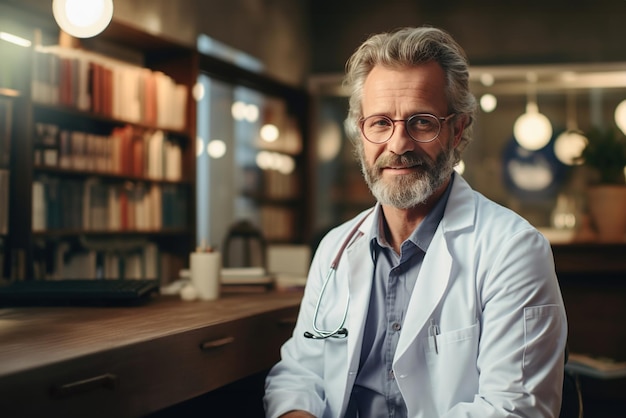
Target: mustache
[409,159]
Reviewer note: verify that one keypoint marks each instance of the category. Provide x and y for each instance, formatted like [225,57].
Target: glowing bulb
[488,102]
[216,148]
[620,116]
[568,146]
[532,130]
[487,79]
[82,18]
[286,165]
[269,133]
[263,160]
[251,113]
[238,110]
[83,14]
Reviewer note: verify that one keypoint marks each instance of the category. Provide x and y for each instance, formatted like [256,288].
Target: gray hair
[407,47]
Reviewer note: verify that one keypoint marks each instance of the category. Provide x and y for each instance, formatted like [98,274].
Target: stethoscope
[340,331]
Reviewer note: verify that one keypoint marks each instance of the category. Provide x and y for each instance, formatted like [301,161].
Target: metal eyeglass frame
[406,121]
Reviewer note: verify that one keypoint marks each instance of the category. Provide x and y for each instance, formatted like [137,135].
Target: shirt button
[396,326]
[391,375]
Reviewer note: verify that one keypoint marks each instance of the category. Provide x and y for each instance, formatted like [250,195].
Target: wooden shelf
[68,114]
[62,172]
[58,233]
[43,123]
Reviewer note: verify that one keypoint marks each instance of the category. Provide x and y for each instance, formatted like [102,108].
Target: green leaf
[606,154]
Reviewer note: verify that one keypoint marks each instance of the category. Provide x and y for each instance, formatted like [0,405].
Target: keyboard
[77,292]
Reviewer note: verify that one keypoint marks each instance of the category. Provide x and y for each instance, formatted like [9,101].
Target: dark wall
[491,31]
[296,38]
[276,32]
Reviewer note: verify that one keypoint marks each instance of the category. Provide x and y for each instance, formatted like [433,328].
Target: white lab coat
[487,281]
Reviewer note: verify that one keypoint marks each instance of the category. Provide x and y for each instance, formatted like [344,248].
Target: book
[6,108]
[39,207]
[93,82]
[245,276]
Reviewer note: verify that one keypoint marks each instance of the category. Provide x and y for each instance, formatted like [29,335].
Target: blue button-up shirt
[376,393]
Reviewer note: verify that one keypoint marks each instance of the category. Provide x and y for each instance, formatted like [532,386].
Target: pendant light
[620,116]
[532,130]
[570,144]
[82,18]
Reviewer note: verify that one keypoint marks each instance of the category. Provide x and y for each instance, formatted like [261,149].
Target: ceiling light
[532,130]
[569,145]
[14,39]
[488,102]
[269,132]
[620,116]
[216,148]
[82,18]
[487,79]
[238,110]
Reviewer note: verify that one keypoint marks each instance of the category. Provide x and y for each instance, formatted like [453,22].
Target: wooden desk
[131,361]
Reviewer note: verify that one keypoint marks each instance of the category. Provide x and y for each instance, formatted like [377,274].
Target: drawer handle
[210,345]
[106,381]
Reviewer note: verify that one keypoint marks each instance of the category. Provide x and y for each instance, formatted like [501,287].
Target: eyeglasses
[421,127]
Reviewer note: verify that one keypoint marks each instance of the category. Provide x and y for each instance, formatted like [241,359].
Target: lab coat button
[396,326]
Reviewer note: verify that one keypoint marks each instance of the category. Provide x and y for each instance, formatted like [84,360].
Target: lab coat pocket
[451,361]
[540,324]
[452,342]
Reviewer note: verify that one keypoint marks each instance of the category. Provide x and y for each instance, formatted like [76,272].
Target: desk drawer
[145,377]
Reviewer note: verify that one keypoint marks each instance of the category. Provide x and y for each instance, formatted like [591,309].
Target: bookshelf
[12,84]
[7,97]
[102,178]
[276,200]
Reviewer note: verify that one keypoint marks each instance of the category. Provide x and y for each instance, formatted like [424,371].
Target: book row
[272,183]
[95,205]
[126,151]
[122,260]
[94,83]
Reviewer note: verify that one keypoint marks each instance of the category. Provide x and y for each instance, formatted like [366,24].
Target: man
[443,304]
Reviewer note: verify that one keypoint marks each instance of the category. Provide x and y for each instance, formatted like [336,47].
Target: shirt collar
[425,231]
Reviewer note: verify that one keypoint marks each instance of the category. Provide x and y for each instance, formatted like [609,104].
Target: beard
[412,189]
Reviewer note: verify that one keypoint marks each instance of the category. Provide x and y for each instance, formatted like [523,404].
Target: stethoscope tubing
[340,331]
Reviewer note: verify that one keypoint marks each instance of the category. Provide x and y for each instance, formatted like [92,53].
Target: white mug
[205,269]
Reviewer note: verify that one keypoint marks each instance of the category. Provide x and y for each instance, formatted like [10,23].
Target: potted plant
[605,157]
